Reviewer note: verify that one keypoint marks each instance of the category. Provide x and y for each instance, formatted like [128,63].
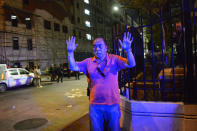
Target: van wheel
[2,87]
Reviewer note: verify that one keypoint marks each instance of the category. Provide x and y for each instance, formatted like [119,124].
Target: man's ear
[106,48]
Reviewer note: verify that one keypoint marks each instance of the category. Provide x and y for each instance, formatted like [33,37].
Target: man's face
[99,48]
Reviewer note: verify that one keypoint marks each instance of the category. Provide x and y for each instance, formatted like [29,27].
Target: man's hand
[126,45]
[127,40]
[71,46]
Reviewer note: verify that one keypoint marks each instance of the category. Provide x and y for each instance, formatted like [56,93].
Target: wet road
[59,104]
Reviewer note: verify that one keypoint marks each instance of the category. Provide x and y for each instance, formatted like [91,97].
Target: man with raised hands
[102,72]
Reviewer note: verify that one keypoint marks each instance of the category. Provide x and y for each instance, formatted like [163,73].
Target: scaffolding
[43,41]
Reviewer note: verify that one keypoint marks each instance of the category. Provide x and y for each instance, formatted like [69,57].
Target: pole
[190,90]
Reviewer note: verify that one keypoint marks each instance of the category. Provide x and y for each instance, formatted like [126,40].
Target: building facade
[34,32]
[95,18]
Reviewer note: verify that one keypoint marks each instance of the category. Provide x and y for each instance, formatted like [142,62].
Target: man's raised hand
[126,43]
[71,46]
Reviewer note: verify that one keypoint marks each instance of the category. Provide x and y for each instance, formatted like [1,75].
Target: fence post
[190,90]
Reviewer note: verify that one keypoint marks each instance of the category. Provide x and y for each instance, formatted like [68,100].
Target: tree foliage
[147,4]
[155,6]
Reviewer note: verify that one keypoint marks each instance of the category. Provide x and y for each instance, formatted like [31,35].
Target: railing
[166,56]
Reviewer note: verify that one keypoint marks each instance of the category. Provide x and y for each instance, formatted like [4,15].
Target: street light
[115,8]
[120,10]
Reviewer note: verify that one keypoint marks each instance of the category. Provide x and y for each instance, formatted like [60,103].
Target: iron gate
[165,51]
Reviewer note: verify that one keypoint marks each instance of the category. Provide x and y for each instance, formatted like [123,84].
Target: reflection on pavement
[74,93]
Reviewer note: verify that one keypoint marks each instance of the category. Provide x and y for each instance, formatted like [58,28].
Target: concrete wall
[157,116]
[190,115]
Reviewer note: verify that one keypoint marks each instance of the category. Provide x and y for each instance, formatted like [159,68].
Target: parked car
[14,77]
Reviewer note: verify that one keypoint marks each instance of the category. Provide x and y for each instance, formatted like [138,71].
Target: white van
[14,77]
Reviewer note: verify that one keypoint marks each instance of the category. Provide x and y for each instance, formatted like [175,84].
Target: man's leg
[78,75]
[96,118]
[40,82]
[58,78]
[62,78]
[113,117]
[51,77]
[37,82]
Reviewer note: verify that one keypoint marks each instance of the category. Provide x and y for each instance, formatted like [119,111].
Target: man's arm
[71,46]
[126,45]
[71,61]
[131,59]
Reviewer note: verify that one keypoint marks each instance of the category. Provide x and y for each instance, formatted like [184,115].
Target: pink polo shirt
[104,89]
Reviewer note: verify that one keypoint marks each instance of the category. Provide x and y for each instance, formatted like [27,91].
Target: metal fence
[165,50]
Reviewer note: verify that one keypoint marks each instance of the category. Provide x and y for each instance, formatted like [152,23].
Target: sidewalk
[81,124]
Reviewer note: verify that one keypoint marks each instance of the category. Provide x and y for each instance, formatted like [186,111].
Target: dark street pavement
[54,107]
[82,124]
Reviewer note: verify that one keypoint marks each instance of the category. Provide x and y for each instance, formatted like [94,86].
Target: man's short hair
[100,38]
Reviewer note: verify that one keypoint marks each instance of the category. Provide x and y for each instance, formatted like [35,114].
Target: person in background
[60,73]
[77,74]
[178,39]
[27,68]
[102,73]
[52,72]
[37,77]
[68,72]
[40,73]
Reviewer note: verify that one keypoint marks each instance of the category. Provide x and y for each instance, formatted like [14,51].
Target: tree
[157,7]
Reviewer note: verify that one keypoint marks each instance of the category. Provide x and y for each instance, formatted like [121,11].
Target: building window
[73,19]
[78,19]
[56,27]
[100,20]
[79,34]
[86,1]
[87,23]
[74,33]
[77,5]
[87,12]
[29,44]
[14,20]
[28,23]
[15,43]
[47,24]
[88,36]
[64,29]
[26,2]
